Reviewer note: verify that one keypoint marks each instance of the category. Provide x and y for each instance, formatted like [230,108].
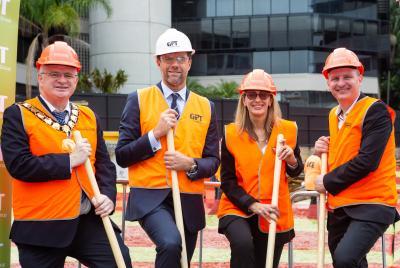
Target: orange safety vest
[255,172]
[379,186]
[189,138]
[53,199]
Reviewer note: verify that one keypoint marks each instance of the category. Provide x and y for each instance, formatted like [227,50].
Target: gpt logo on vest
[4,6]
[172,43]
[196,117]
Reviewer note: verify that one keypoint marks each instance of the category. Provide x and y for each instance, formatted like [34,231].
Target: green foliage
[105,81]
[221,90]
[84,83]
[394,68]
[60,16]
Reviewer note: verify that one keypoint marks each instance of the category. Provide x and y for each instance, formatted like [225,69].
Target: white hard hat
[172,41]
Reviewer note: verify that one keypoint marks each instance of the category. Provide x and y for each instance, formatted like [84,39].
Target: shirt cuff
[293,166]
[155,144]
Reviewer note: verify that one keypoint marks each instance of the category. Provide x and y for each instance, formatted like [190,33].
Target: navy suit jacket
[134,146]
[25,166]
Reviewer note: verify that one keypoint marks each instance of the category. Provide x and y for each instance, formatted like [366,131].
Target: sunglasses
[171,60]
[252,95]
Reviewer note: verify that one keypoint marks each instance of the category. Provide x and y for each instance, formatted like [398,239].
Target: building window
[262,60]
[242,7]
[259,32]
[372,28]
[280,62]
[224,7]
[222,33]
[299,31]
[278,31]
[317,33]
[298,61]
[228,64]
[199,64]
[316,61]
[206,34]
[279,6]
[299,6]
[191,28]
[240,33]
[330,33]
[210,8]
[261,7]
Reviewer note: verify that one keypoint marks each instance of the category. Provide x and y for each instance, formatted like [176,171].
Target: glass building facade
[232,37]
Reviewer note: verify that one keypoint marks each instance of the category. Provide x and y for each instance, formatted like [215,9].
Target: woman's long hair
[243,122]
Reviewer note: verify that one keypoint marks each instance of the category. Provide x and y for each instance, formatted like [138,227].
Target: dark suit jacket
[376,130]
[134,146]
[25,166]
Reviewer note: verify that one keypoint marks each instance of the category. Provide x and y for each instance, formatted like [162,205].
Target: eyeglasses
[252,95]
[57,75]
[179,60]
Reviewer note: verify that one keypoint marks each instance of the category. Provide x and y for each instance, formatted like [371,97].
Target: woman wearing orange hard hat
[247,168]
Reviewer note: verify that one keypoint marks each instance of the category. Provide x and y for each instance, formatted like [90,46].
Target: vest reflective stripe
[379,186]
[254,172]
[190,136]
[55,199]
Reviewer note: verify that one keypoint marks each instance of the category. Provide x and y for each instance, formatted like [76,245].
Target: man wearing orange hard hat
[360,182]
[55,211]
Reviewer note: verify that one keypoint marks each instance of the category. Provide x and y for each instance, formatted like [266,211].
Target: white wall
[127,39]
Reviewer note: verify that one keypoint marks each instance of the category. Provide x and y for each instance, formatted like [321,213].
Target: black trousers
[350,240]
[90,246]
[248,244]
[160,226]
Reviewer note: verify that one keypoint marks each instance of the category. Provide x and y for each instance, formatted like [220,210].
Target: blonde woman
[247,167]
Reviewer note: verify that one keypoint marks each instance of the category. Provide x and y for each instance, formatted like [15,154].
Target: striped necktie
[174,104]
[60,116]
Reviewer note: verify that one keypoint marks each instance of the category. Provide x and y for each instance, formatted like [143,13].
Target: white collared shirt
[342,119]
[52,109]
[180,102]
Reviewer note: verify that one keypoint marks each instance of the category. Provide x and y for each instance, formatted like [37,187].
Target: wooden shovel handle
[106,220]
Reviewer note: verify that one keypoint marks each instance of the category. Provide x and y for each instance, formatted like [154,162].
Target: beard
[175,79]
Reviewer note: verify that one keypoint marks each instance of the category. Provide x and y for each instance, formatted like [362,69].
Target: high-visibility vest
[379,186]
[189,138]
[255,172]
[53,199]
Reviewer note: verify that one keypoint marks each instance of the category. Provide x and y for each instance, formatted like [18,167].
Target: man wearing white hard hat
[142,147]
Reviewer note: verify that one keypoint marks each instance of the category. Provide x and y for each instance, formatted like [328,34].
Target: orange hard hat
[59,53]
[258,80]
[342,57]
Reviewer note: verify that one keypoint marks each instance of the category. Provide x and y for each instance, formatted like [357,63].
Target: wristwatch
[193,170]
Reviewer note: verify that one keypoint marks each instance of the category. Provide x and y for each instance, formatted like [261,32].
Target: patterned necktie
[174,104]
[60,116]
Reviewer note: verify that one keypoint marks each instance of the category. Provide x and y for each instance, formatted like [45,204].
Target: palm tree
[226,89]
[59,15]
[107,82]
